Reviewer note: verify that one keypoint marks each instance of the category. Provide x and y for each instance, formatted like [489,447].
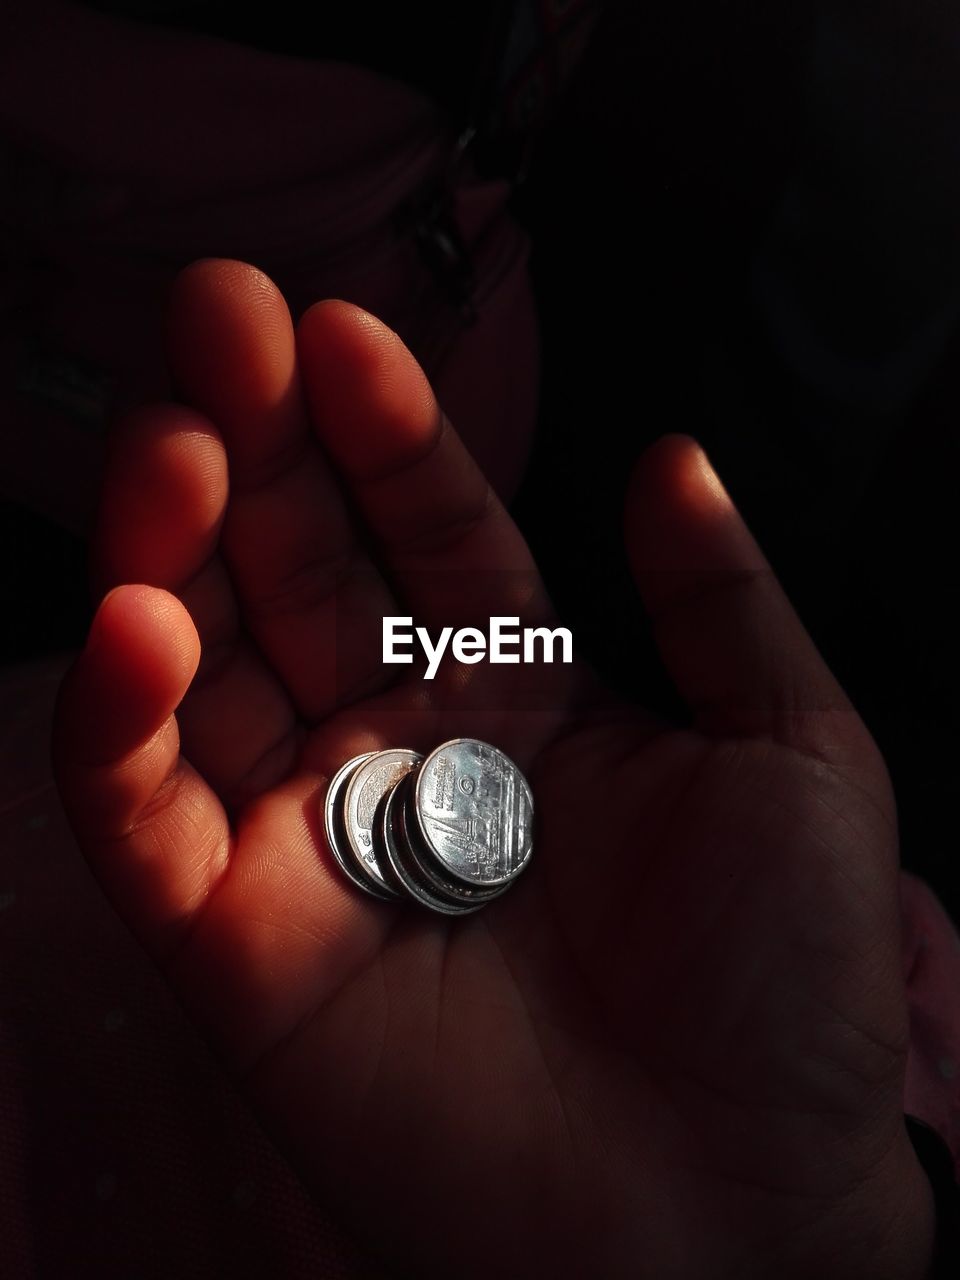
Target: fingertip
[698,485]
[141,656]
[372,405]
[230,350]
[218,289]
[232,272]
[328,309]
[146,620]
[676,467]
[165,490]
[191,285]
[679,515]
[323,319]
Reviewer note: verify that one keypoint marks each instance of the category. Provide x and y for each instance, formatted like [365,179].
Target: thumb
[738,653]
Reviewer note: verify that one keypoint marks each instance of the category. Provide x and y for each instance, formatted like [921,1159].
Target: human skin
[676,1047]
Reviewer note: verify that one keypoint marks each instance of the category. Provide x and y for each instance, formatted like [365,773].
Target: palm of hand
[682,1012]
[679,1032]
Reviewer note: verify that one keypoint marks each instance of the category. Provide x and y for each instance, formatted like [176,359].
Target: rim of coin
[336,834]
[362,796]
[416,890]
[429,847]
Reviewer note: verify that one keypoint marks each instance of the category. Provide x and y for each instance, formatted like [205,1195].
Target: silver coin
[424,866]
[372,780]
[336,832]
[473,813]
[391,845]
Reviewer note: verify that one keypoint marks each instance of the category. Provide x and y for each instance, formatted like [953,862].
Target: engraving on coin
[392,847]
[337,836]
[473,813]
[424,866]
[371,781]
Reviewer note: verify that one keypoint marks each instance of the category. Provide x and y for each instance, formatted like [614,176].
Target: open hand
[675,1048]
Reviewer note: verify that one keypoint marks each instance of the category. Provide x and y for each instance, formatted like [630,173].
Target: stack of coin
[451,830]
